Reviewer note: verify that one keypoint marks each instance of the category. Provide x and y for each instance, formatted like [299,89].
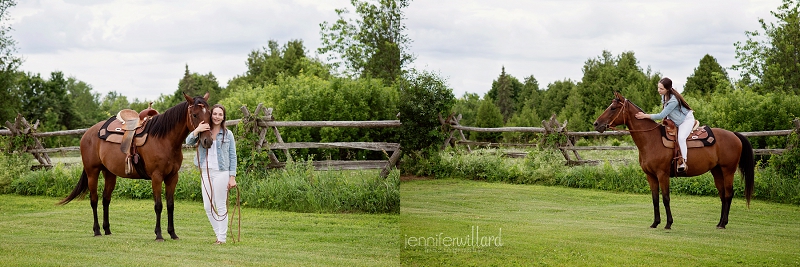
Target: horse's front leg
[664,182]
[157,206]
[110,184]
[653,182]
[171,184]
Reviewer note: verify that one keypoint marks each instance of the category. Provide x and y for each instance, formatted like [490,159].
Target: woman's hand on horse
[202,127]
[641,115]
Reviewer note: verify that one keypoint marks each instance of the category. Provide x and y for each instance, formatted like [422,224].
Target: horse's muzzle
[206,142]
[600,127]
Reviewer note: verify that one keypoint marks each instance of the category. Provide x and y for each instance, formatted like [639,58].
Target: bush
[13,165]
[297,188]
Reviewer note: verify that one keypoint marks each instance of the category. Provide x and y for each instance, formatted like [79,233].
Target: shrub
[296,188]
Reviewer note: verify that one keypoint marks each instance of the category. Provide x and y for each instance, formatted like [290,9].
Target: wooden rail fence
[566,145]
[254,123]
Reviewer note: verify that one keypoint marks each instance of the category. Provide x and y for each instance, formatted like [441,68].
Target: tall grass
[296,188]
[547,167]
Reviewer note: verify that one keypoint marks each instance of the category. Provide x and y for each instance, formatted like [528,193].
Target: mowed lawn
[36,232]
[469,223]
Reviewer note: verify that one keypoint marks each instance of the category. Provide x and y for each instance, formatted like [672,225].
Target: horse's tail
[80,189]
[747,166]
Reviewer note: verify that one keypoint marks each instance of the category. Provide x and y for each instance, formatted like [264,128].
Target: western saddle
[126,127]
[701,136]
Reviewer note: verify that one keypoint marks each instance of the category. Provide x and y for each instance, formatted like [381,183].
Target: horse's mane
[640,109]
[162,123]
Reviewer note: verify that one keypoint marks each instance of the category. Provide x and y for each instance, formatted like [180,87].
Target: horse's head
[199,111]
[612,116]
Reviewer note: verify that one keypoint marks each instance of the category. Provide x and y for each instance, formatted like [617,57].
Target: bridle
[189,119]
[625,120]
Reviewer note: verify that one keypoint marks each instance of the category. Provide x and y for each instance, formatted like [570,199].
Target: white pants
[219,193]
[683,132]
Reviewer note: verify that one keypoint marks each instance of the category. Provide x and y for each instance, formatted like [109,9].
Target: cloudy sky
[140,48]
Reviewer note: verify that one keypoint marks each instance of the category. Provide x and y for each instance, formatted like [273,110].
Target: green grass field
[546,226]
[37,233]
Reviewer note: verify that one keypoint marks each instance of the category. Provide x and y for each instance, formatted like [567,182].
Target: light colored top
[672,110]
[213,160]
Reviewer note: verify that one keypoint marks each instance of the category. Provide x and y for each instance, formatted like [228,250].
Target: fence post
[269,117]
[21,127]
[392,163]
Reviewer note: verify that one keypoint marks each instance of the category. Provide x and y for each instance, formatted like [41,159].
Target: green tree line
[365,76]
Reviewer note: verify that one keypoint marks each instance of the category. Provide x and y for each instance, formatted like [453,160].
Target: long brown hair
[667,83]
[224,118]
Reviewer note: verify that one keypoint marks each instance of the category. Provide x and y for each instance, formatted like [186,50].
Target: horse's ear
[206,96]
[188,99]
[619,96]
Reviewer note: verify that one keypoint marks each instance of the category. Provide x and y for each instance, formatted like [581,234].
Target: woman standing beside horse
[218,169]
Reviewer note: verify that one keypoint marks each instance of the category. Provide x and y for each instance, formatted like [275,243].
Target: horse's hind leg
[110,184]
[653,181]
[92,175]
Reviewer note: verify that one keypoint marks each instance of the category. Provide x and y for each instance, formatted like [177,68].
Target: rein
[625,121]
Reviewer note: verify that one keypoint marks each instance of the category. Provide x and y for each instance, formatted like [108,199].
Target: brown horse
[161,155]
[731,149]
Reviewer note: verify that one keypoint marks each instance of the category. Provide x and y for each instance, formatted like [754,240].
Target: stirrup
[681,168]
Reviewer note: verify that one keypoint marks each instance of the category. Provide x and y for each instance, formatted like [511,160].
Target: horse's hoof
[97,235]
[175,238]
[720,227]
[159,240]
[667,227]
[655,225]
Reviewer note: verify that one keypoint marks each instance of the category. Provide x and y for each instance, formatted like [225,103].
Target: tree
[489,116]
[604,75]
[517,99]
[703,82]
[770,60]
[504,100]
[554,99]
[113,102]
[530,93]
[265,65]
[467,105]
[9,63]
[46,100]
[85,101]
[423,97]
[372,45]
[193,84]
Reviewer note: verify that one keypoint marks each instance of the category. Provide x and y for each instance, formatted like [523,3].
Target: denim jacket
[672,110]
[226,151]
